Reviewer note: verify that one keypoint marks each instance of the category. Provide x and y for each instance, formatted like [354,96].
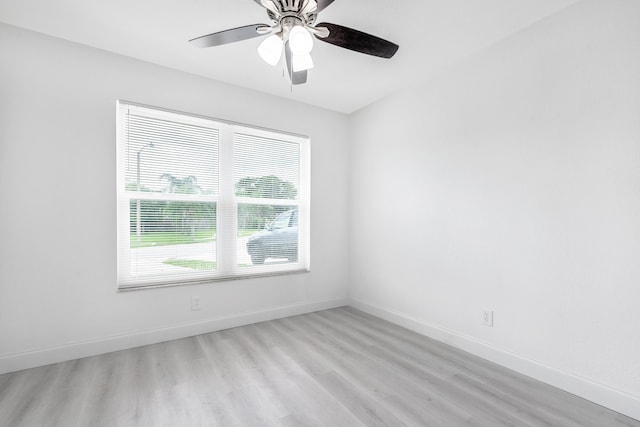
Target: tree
[265,187]
[186,185]
[150,210]
[187,216]
[268,187]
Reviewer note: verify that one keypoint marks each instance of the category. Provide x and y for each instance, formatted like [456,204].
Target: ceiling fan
[293,24]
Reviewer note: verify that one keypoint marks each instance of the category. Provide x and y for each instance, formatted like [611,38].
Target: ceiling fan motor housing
[292,8]
[289,5]
[287,23]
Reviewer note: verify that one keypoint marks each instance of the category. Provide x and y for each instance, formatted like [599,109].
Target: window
[202,200]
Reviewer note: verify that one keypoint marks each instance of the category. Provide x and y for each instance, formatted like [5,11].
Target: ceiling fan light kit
[270,49]
[300,40]
[292,31]
[301,62]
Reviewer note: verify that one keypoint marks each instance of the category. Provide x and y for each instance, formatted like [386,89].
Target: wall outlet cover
[487,317]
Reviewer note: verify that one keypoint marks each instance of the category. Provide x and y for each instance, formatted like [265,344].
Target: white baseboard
[598,393]
[46,356]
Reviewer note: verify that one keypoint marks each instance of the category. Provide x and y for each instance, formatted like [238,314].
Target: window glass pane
[164,156]
[169,236]
[176,224]
[266,168]
[267,234]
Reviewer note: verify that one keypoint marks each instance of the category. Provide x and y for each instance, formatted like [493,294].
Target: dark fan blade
[297,77]
[229,36]
[358,41]
[322,4]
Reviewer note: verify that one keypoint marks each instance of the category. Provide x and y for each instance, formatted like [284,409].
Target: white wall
[513,183]
[58,295]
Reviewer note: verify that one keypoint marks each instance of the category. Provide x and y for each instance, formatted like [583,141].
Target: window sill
[130,288]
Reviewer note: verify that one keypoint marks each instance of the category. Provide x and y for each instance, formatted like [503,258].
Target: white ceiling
[432,35]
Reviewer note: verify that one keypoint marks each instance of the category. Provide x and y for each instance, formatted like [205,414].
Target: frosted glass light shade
[270,49]
[300,40]
[301,62]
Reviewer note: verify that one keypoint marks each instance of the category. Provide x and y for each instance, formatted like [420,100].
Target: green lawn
[247,232]
[194,264]
[165,238]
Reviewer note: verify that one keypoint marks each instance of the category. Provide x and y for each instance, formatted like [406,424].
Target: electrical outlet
[195,303]
[487,317]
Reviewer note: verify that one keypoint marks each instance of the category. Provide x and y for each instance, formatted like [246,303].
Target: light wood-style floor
[337,367]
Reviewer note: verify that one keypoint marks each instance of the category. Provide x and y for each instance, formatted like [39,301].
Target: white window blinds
[202,200]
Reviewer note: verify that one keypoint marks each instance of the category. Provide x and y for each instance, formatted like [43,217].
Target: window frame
[227,203]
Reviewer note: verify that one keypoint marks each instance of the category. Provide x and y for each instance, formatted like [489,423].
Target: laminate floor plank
[304,395]
[252,400]
[408,361]
[361,397]
[100,403]
[390,390]
[431,387]
[496,378]
[339,367]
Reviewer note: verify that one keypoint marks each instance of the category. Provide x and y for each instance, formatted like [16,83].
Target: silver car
[279,239]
